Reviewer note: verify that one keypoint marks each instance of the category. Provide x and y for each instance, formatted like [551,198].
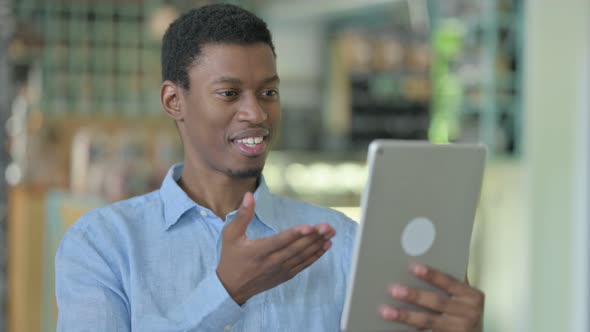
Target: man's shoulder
[119,216]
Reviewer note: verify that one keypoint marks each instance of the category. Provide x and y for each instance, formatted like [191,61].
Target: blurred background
[81,126]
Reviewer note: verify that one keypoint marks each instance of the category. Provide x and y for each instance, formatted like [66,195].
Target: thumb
[238,225]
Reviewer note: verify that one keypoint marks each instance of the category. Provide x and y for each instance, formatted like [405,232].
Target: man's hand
[459,311]
[248,267]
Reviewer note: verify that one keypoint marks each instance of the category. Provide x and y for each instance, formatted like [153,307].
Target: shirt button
[203,213]
[227,327]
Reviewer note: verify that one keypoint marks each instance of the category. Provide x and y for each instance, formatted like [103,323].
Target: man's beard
[245,173]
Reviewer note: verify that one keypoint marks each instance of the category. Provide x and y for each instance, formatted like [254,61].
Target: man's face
[232,109]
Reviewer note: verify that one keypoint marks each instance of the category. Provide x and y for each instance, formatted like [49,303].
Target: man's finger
[238,225]
[300,250]
[305,264]
[431,300]
[443,281]
[421,319]
[325,229]
[277,242]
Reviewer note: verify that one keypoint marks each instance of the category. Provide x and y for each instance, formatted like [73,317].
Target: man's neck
[221,193]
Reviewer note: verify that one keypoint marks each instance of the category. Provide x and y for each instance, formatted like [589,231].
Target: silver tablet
[418,206]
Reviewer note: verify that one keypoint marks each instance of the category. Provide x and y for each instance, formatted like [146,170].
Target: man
[213,249]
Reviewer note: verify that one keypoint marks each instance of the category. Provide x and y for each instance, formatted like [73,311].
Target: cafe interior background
[81,125]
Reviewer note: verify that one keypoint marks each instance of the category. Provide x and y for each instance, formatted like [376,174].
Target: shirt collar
[264,209]
[176,202]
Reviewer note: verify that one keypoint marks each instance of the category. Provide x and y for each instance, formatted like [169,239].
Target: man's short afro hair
[219,23]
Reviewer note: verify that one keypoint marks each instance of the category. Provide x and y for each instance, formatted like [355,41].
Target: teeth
[251,140]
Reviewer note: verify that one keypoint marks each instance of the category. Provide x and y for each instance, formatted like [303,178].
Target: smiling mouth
[251,146]
[250,141]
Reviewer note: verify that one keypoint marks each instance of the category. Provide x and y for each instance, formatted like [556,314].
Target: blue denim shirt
[148,264]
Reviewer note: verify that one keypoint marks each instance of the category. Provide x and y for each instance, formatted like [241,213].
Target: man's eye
[228,93]
[270,93]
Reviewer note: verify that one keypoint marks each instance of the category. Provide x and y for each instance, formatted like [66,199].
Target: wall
[556,152]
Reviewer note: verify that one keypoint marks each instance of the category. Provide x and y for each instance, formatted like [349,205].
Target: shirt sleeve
[207,308]
[91,297]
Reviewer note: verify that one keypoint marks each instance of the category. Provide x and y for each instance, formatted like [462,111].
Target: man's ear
[170,99]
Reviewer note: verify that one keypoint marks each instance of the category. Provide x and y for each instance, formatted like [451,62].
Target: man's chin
[245,173]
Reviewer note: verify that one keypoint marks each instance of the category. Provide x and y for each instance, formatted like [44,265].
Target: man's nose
[252,111]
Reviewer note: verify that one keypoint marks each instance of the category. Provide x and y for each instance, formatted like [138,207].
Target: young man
[205,254]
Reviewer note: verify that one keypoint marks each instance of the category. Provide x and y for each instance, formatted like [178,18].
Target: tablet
[418,206]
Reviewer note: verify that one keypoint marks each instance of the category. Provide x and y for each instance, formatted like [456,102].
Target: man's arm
[91,296]
[249,267]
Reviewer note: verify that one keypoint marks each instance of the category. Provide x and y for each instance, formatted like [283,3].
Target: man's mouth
[250,141]
[252,145]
